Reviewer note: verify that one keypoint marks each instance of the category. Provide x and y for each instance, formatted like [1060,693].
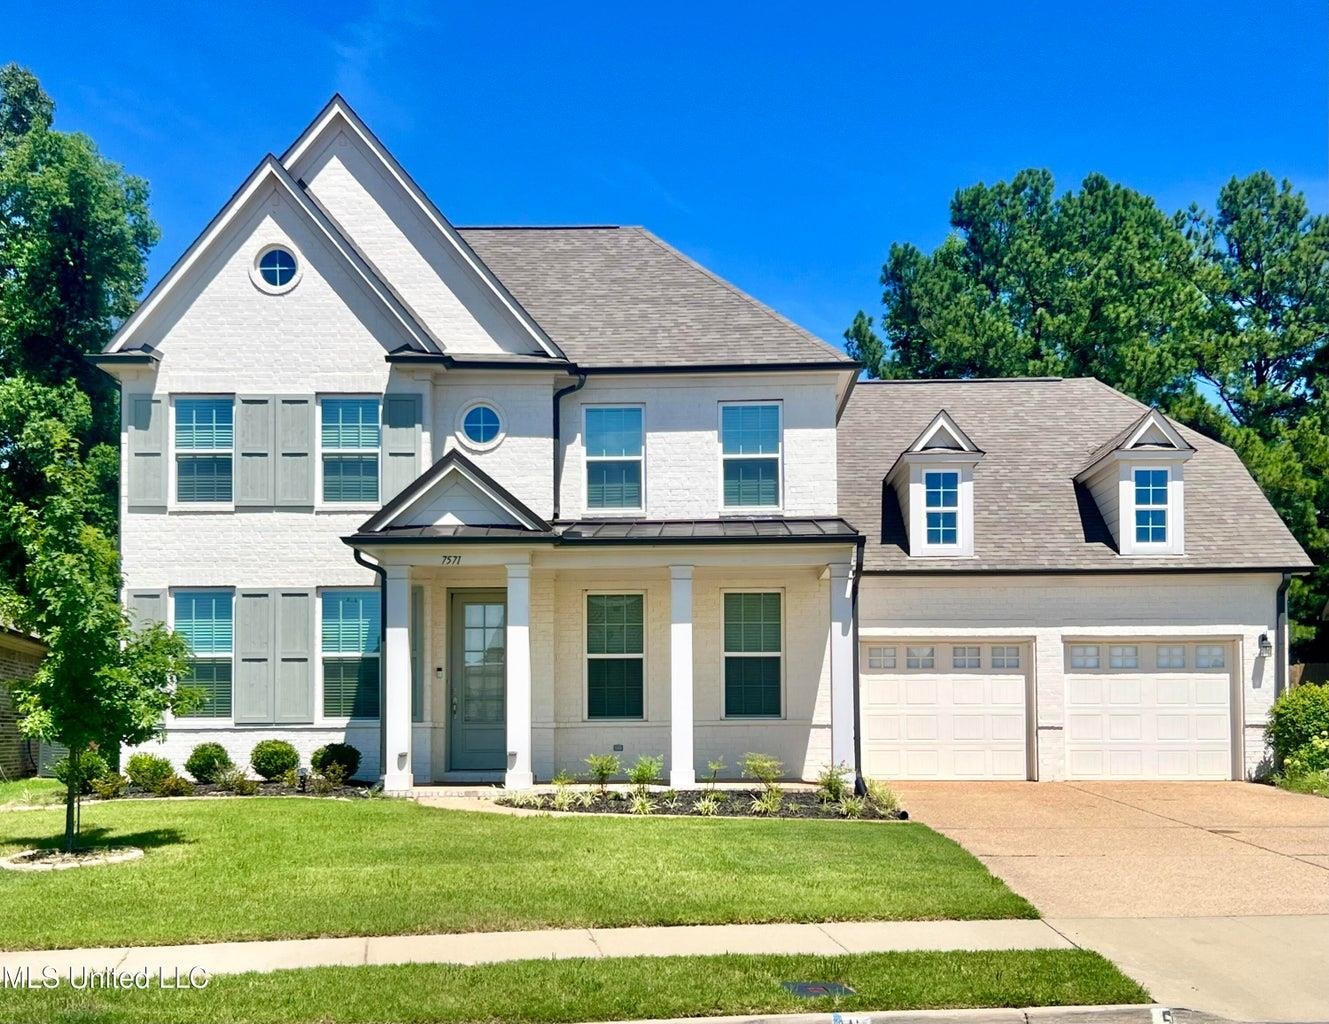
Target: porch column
[519,775]
[396,710]
[682,773]
[842,665]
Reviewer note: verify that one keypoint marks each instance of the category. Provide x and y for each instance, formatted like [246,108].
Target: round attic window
[480,425]
[276,269]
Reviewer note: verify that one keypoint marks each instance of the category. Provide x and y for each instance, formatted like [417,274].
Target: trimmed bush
[91,766]
[343,755]
[110,786]
[274,758]
[208,761]
[1296,718]
[234,780]
[174,785]
[147,771]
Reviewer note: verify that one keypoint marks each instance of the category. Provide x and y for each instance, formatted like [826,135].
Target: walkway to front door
[477,680]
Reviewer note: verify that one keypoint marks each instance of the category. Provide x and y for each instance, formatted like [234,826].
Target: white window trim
[784,616]
[746,510]
[205,721]
[961,464]
[480,446]
[586,459]
[344,506]
[256,275]
[340,721]
[587,656]
[173,503]
[1174,510]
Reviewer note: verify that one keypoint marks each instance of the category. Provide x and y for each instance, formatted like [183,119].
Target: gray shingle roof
[619,296]
[1028,512]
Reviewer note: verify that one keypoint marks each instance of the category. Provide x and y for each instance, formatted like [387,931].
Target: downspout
[382,575]
[860,786]
[558,435]
[1280,635]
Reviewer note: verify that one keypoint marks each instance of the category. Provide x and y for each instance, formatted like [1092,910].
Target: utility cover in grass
[813,989]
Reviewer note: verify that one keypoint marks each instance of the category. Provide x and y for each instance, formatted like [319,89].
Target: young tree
[104,680]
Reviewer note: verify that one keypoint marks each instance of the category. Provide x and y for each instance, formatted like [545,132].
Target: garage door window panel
[1085,656]
[966,657]
[1006,657]
[1210,656]
[881,658]
[1123,656]
[1170,656]
[920,657]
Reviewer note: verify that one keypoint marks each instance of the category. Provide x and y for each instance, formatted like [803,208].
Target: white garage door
[943,711]
[1148,710]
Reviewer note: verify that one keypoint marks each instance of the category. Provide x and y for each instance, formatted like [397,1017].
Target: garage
[944,710]
[1148,710]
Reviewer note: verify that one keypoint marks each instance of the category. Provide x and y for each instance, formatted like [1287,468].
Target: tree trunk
[72,785]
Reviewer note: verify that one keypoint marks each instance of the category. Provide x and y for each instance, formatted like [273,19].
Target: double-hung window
[204,449]
[205,619]
[615,443]
[753,653]
[941,492]
[1151,506]
[750,452]
[615,655]
[350,648]
[350,442]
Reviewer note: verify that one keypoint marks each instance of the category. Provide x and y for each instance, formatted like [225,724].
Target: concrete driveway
[1214,896]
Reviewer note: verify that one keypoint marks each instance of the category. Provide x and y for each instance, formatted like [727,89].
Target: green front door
[477,680]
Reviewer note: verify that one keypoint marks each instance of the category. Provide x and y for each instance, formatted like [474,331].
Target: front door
[477,680]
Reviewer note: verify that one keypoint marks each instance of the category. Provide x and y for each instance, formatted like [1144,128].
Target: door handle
[454,705]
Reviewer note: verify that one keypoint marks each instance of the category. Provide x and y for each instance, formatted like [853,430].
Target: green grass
[578,990]
[253,868]
[1311,783]
[25,792]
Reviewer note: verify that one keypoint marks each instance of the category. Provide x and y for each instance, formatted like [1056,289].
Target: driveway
[1214,896]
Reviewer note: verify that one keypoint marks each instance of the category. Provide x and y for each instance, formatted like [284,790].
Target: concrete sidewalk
[563,943]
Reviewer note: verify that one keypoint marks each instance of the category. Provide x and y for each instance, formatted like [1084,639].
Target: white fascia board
[419,491]
[1157,420]
[943,421]
[339,112]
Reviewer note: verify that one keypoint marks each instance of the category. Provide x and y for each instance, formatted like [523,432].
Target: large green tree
[1222,319]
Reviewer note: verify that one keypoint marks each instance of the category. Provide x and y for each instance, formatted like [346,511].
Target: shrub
[1296,717]
[769,801]
[563,777]
[146,771]
[1308,758]
[707,806]
[91,765]
[670,800]
[174,785]
[234,780]
[110,786]
[207,761]
[852,806]
[329,781]
[273,758]
[564,799]
[715,768]
[603,767]
[646,772]
[833,783]
[584,798]
[641,804]
[882,797]
[344,755]
[291,779]
[762,767]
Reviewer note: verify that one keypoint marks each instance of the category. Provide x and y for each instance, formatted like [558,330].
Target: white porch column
[519,775]
[682,773]
[396,710]
[842,665]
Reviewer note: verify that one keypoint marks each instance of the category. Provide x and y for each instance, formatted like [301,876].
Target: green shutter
[294,683]
[254,430]
[146,427]
[294,483]
[254,630]
[401,443]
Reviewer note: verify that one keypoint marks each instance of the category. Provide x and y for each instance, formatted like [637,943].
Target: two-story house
[485,501]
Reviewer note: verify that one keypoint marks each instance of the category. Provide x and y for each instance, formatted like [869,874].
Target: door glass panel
[483,669]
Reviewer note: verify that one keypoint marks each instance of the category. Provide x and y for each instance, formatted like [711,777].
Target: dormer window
[934,482]
[1151,505]
[942,499]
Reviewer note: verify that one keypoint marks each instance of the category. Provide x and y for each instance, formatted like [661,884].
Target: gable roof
[620,297]
[270,172]
[943,424]
[1029,513]
[1131,437]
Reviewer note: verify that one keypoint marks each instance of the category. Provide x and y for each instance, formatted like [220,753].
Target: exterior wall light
[1266,648]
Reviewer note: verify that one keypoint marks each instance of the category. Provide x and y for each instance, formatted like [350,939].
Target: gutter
[1280,636]
[558,436]
[382,575]
[860,786]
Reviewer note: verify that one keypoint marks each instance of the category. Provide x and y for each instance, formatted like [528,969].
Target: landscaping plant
[765,769]
[110,786]
[603,767]
[343,755]
[882,797]
[851,806]
[90,766]
[768,801]
[1297,717]
[834,783]
[207,761]
[641,803]
[707,805]
[174,785]
[147,771]
[274,758]
[329,780]
[646,772]
[234,780]
[715,767]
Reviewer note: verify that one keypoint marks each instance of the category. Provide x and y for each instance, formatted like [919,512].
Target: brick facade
[19,659]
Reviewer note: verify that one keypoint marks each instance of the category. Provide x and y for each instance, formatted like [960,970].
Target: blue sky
[785,149]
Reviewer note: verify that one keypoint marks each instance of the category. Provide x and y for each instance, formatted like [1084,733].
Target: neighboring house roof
[620,297]
[1029,514]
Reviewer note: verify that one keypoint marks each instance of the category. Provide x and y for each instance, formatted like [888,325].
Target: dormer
[934,480]
[1137,481]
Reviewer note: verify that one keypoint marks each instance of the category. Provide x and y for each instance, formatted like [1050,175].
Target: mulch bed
[734,804]
[348,790]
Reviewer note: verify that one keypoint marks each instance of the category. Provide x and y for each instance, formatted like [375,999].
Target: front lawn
[576,990]
[30,792]
[256,868]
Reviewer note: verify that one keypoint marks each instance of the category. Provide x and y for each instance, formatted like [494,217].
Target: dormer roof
[943,434]
[1152,433]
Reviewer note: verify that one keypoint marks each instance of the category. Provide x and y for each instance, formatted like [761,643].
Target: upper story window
[750,451]
[275,269]
[942,499]
[350,441]
[615,462]
[204,447]
[1151,506]
[480,426]
[205,619]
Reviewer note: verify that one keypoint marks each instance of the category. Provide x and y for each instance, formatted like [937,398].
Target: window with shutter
[204,449]
[350,647]
[205,618]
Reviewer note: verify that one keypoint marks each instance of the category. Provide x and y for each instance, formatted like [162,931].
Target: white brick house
[485,501]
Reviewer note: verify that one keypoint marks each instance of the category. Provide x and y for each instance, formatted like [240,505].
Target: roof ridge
[970,380]
[543,227]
